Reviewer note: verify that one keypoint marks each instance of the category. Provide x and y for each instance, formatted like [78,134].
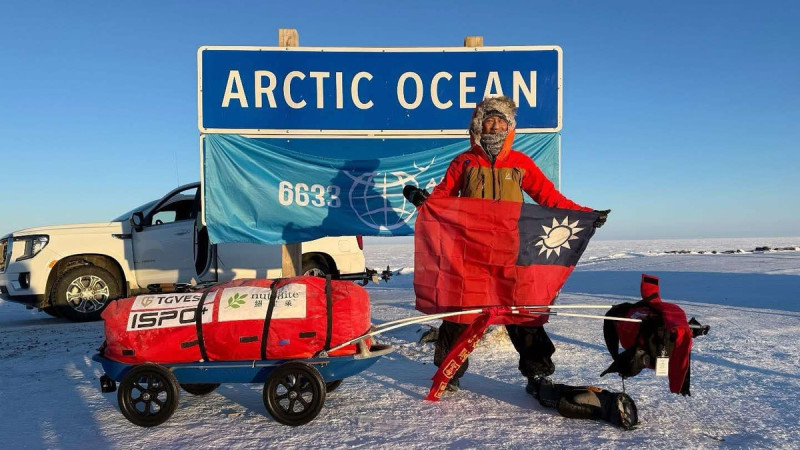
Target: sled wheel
[294,393]
[332,385]
[200,389]
[148,395]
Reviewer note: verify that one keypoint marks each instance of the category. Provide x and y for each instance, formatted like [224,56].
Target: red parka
[473,174]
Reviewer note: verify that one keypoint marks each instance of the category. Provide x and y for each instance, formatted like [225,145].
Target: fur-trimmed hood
[502,106]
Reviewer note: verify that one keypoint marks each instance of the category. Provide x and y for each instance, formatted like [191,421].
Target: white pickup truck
[73,270]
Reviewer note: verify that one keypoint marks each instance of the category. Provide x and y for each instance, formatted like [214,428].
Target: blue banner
[269,192]
[318,91]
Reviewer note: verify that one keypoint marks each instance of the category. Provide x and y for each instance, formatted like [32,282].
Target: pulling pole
[591,316]
[521,310]
[532,309]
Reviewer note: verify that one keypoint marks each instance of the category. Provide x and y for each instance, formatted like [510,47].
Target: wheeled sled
[294,390]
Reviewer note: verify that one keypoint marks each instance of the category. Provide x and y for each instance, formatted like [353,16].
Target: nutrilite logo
[236,300]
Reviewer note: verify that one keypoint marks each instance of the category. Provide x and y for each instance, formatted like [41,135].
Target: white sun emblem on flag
[557,236]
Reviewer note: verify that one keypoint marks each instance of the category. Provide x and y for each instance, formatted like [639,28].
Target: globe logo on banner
[377,197]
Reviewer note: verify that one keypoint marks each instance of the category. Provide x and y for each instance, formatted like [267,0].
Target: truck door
[232,260]
[163,248]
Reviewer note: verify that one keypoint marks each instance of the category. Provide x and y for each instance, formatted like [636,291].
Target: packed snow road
[745,373]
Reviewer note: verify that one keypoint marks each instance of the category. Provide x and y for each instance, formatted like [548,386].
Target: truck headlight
[32,245]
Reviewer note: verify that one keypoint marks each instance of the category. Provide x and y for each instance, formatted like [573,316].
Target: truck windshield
[142,208]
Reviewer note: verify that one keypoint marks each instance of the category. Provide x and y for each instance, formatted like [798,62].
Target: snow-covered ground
[745,373]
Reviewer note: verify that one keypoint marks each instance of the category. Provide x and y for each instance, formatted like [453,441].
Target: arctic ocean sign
[372,91]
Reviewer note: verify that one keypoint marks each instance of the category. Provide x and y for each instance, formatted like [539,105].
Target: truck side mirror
[137,220]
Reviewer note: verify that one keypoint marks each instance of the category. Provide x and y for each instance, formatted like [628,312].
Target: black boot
[535,383]
[589,402]
[620,410]
[453,385]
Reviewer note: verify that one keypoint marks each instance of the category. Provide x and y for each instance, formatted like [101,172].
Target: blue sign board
[372,91]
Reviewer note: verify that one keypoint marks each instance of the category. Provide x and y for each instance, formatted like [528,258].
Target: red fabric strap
[461,350]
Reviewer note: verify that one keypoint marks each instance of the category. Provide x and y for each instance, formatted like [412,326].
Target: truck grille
[3,256]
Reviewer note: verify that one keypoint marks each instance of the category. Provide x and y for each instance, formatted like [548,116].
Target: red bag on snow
[663,332]
[239,320]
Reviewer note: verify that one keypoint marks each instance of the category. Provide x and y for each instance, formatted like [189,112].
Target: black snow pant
[532,343]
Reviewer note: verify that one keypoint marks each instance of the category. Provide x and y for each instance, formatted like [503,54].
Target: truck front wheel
[81,293]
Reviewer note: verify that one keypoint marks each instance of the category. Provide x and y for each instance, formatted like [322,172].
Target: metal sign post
[291,254]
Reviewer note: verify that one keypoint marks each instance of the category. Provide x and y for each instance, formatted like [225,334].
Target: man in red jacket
[490,169]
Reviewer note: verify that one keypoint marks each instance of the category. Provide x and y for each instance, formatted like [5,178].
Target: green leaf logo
[236,300]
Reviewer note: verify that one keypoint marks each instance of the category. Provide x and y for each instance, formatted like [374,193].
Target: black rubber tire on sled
[331,386]
[148,395]
[200,389]
[294,393]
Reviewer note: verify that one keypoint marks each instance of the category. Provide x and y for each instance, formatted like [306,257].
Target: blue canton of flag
[552,235]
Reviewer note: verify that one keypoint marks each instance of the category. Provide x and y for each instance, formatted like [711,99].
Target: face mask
[493,143]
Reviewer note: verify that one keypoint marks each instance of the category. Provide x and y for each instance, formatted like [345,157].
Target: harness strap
[329,306]
[198,325]
[268,317]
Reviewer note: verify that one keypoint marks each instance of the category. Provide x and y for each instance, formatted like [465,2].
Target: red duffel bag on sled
[240,320]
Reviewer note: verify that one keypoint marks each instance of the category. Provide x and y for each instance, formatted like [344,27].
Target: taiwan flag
[473,253]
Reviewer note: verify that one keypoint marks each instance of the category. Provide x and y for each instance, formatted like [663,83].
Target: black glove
[415,195]
[601,219]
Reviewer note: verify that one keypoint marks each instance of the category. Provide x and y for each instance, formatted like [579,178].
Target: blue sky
[679,116]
